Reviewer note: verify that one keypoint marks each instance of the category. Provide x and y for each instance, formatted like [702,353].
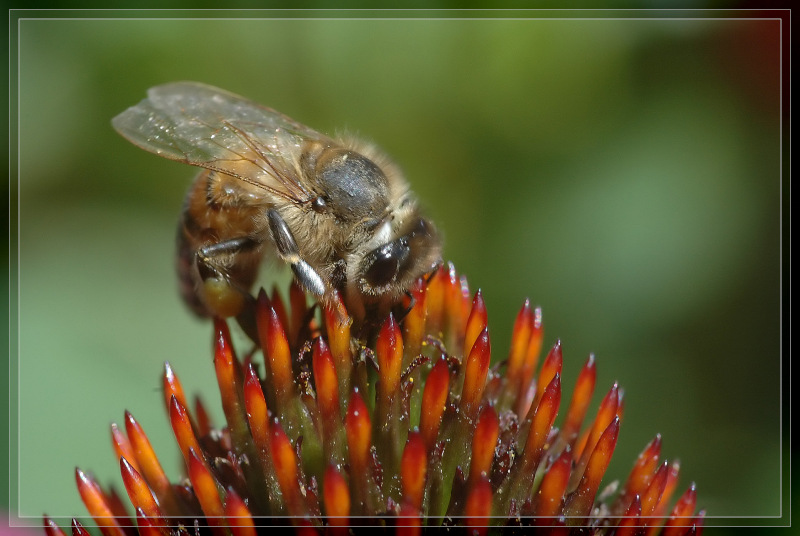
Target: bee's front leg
[288,251]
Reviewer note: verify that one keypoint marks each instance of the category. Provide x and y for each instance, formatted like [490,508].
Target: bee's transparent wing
[212,128]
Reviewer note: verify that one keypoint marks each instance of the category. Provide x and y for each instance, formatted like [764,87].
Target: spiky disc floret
[411,429]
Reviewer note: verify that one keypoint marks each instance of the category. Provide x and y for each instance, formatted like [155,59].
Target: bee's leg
[224,293]
[212,259]
[308,278]
[206,255]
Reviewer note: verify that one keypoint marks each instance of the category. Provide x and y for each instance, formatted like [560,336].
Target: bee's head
[408,248]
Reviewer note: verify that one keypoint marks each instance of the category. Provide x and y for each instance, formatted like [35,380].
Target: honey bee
[337,211]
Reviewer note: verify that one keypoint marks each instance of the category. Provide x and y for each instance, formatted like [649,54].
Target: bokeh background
[624,174]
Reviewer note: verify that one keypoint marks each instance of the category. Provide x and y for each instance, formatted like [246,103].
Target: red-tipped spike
[325,382]
[258,417]
[149,527]
[579,503]
[359,430]
[466,301]
[147,461]
[478,507]
[541,421]
[652,494]
[224,358]
[238,516]
[551,366]
[530,362]
[389,437]
[206,490]
[697,525]
[328,401]
[172,387]
[138,491]
[276,301]
[389,352]
[484,441]
[256,407]
[51,528]
[414,321]
[550,495]
[475,371]
[358,427]
[681,516]
[601,456]
[122,447]
[581,397]
[630,525]
[641,475]
[605,414]
[98,504]
[229,379]
[434,398]
[337,500]
[669,489]
[182,428]
[476,323]
[435,300]
[456,307]
[520,337]
[338,328]
[541,425]
[79,530]
[285,461]
[413,468]
[276,349]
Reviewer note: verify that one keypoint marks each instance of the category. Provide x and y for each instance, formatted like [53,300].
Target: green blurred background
[622,174]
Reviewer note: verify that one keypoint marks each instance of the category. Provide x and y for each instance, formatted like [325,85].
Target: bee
[337,211]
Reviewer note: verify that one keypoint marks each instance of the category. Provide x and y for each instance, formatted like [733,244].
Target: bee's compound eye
[222,299]
[383,263]
[355,187]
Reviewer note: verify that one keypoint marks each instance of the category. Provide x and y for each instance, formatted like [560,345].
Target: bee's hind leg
[306,276]
[226,294]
